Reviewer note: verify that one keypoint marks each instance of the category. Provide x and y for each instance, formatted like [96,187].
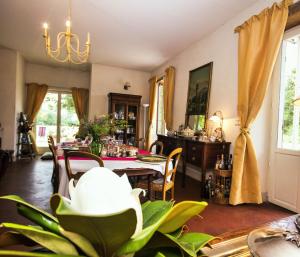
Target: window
[160,124]
[57,117]
[289,118]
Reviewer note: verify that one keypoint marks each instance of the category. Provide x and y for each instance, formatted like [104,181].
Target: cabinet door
[132,120]
[194,153]
[120,110]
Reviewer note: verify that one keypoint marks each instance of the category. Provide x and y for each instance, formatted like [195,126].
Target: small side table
[222,186]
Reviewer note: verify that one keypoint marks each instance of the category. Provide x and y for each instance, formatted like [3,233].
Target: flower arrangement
[101,222]
[101,126]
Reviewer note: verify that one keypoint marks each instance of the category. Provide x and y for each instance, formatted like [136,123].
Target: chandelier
[67,44]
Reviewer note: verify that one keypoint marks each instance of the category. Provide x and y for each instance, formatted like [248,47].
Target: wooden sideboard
[197,153]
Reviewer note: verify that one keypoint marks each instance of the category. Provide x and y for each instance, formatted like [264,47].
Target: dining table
[131,166]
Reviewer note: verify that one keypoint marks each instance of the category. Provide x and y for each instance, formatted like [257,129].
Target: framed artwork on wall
[198,96]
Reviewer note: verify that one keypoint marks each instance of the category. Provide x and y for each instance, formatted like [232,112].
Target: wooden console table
[198,153]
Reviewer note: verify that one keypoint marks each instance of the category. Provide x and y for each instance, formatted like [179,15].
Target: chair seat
[157,185]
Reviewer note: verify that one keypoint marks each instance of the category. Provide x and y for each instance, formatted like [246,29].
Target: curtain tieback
[244,131]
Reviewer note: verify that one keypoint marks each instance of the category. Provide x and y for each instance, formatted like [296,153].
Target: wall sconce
[127,85]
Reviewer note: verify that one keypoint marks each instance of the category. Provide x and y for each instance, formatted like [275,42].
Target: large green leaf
[38,218]
[21,201]
[81,242]
[10,238]
[153,215]
[10,253]
[106,233]
[191,243]
[46,239]
[180,214]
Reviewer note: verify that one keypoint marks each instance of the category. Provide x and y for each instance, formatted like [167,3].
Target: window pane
[160,111]
[289,122]
[46,120]
[69,120]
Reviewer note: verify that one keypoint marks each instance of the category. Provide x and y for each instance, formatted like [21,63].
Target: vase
[96,148]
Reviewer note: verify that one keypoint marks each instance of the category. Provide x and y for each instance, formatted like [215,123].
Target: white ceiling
[137,34]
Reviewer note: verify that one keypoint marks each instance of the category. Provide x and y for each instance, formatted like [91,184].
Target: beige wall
[221,48]
[56,76]
[11,95]
[106,79]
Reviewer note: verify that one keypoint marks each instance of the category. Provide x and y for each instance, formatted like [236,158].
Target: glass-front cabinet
[126,107]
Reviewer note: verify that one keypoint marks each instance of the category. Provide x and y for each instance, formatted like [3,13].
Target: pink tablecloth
[140,151]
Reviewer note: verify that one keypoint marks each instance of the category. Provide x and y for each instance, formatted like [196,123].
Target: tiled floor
[31,180]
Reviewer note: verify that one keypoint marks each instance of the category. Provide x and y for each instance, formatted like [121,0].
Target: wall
[56,76]
[11,95]
[221,48]
[106,79]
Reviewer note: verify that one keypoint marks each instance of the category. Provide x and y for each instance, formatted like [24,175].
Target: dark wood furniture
[159,147]
[80,154]
[198,153]
[126,107]
[137,173]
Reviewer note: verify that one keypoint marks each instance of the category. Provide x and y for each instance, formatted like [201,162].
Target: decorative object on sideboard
[198,97]
[68,45]
[127,85]
[217,134]
[187,132]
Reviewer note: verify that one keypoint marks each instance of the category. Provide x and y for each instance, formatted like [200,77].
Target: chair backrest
[51,140]
[140,143]
[159,147]
[173,157]
[70,154]
[53,151]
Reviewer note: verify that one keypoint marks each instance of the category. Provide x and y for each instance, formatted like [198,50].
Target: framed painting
[198,96]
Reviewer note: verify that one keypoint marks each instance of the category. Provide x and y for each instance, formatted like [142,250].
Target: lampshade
[215,119]
[297,101]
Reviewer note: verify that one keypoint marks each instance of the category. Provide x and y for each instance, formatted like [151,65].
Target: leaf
[39,219]
[106,233]
[161,252]
[14,238]
[82,243]
[46,239]
[10,253]
[180,214]
[21,201]
[191,243]
[154,214]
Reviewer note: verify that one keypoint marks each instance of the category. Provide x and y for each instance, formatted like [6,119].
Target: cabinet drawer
[194,153]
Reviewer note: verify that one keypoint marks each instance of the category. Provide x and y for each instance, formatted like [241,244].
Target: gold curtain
[259,42]
[169,86]
[152,105]
[81,99]
[35,97]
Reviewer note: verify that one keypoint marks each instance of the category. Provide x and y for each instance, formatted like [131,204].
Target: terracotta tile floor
[31,180]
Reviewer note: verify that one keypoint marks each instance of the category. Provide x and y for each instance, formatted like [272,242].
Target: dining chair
[159,147]
[55,173]
[51,140]
[80,154]
[140,143]
[168,181]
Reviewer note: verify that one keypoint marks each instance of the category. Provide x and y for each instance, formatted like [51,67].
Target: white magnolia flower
[102,192]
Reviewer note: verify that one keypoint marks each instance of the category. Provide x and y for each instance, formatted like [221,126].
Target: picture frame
[197,105]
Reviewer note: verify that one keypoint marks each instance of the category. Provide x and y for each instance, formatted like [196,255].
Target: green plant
[101,126]
[70,233]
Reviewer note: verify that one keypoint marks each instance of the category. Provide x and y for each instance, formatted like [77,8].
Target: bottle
[222,164]
[230,162]
[218,162]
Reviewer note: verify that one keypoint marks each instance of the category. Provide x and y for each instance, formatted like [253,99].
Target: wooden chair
[71,154]
[51,140]
[159,147]
[168,181]
[140,143]
[55,173]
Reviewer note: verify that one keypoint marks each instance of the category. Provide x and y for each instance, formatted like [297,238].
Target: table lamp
[297,101]
[217,117]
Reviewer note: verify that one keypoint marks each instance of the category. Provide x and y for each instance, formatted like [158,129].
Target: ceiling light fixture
[68,46]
